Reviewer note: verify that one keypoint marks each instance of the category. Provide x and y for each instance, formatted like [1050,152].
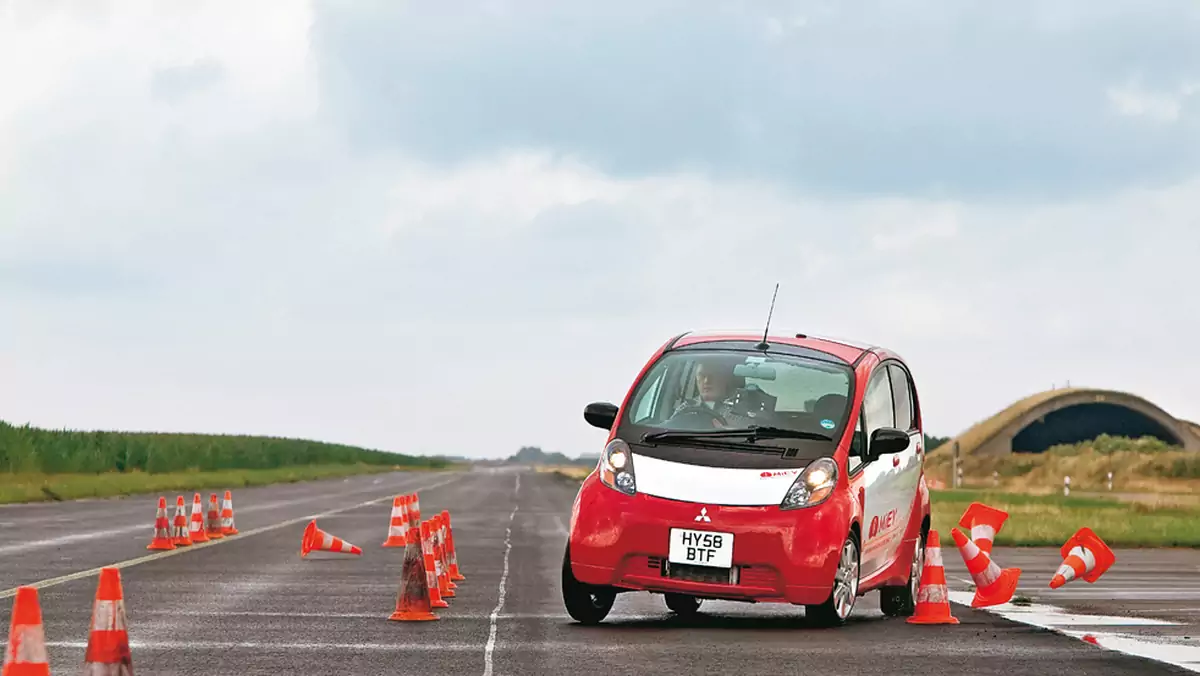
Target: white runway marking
[1179,651]
[491,643]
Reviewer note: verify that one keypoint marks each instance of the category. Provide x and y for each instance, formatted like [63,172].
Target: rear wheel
[587,604]
[837,608]
[682,604]
[901,601]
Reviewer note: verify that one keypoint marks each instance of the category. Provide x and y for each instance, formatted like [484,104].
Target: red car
[785,470]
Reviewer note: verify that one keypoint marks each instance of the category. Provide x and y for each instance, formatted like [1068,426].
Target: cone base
[935,619]
[439,604]
[230,531]
[163,546]
[215,536]
[1001,593]
[412,616]
[458,577]
[398,542]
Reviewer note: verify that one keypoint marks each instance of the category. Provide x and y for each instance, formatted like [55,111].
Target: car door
[882,488]
[907,463]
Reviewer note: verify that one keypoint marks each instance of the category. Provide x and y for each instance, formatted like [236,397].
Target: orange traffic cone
[415,600]
[180,536]
[933,599]
[993,586]
[108,642]
[414,517]
[317,540]
[439,558]
[227,525]
[431,578]
[213,525]
[983,522]
[1085,557]
[398,527]
[162,528]
[455,574]
[196,526]
[26,652]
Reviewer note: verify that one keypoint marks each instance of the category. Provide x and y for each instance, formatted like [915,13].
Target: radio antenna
[763,345]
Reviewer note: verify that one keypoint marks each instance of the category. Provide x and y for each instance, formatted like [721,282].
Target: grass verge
[43,487]
[1048,520]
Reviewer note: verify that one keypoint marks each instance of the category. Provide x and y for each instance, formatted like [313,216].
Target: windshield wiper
[753,432]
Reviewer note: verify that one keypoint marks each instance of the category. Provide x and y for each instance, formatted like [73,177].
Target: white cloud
[1133,100]
[222,259]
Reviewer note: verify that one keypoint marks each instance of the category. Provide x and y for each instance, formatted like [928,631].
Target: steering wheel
[703,413]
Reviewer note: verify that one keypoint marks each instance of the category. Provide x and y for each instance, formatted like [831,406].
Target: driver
[717,386]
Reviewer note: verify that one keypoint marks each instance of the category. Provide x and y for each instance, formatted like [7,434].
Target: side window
[902,395]
[877,403]
[858,444]
[645,407]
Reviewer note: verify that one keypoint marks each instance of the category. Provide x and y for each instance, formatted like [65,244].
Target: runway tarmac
[251,605]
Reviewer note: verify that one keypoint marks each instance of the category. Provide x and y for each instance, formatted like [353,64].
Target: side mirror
[600,414]
[886,441]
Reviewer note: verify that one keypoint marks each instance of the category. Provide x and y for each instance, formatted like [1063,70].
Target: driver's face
[712,381]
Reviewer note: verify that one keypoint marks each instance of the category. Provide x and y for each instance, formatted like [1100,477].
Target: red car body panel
[785,556]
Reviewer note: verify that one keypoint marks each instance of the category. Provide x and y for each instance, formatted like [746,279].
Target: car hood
[712,485]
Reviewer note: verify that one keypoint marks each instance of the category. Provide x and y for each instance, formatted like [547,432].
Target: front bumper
[778,556]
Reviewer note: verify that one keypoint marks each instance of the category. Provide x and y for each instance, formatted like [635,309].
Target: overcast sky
[447,227]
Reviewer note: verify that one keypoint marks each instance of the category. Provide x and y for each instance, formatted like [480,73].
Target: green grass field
[38,464]
[1049,520]
[43,487]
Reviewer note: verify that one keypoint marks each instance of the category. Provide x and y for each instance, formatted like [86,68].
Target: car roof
[844,349]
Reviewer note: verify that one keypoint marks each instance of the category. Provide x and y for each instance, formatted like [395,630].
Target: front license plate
[701,548]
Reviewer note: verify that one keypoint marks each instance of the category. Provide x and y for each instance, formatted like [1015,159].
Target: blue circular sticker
[828,424]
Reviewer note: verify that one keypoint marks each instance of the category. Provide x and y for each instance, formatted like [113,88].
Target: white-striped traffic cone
[993,586]
[1085,557]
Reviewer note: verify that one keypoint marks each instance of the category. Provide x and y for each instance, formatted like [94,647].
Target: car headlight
[616,467]
[814,485]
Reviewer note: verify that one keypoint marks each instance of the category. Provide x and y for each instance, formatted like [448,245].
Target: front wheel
[901,601]
[837,608]
[585,603]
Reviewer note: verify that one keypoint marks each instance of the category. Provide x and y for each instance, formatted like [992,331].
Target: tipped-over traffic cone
[227,525]
[26,652]
[180,536]
[983,522]
[317,540]
[108,651]
[196,529]
[397,535]
[1085,557]
[431,577]
[933,599]
[213,525]
[455,574]
[162,528]
[414,601]
[993,586]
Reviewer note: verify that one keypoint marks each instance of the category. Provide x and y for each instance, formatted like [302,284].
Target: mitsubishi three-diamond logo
[703,515]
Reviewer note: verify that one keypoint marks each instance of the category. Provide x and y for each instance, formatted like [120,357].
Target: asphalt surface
[251,605]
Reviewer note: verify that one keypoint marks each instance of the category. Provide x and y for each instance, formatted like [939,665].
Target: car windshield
[703,391]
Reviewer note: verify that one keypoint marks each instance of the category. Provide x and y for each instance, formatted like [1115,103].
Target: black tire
[844,592]
[682,604]
[586,603]
[901,601]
